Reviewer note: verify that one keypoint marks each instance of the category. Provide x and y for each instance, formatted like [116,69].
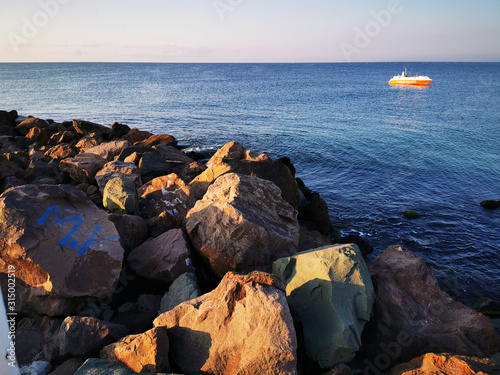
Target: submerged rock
[242,224]
[490,204]
[410,302]
[244,326]
[330,294]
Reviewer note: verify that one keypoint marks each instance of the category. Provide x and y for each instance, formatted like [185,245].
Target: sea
[371,150]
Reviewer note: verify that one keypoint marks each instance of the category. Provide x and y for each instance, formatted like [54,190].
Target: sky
[249,30]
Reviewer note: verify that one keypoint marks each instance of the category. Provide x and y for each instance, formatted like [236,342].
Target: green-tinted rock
[410,214]
[120,196]
[95,366]
[152,164]
[330,294]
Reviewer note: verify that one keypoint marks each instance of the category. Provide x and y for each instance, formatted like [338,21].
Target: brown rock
[108,150]
[167,196]
[88,141]
[317,212]
[39,135]
[35,336]
[244,326]
[9,182]
[409,302]
[233,157]
[157,139]
[135,135]
[24,127]
[87,127]
[192,170]
[341,369]
[39,169]
[83,167]
[8,168]
[61,151]
[163,258]
[146,352]
[64,248]
[449,364]
[118,130]
[170,154]
[118,168]
[66,136]
[133,230]
[83,336]
[133,158]
[243,224]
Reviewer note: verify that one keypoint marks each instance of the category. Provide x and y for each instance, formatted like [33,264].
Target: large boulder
[145,352]
[83,336]
[167,195]
[87,142]
[39,135]
[108,150]
[120,196]
[118,168]
[330,294]
[448,364]
[83,167]
[243,224]
[163,258]
[8,168]
[63,248]
[233,157]
[410,302]
[24,127]
[244,326]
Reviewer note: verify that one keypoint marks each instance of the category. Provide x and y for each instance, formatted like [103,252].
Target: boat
[403,79]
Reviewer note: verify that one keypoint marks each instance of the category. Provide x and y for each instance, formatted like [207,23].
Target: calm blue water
[371,150]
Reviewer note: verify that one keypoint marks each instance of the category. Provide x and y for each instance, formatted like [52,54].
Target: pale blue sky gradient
[248,31]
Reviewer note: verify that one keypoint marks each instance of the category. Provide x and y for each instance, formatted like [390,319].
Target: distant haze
[249,30]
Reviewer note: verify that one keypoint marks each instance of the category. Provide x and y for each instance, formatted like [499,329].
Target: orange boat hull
[411,82]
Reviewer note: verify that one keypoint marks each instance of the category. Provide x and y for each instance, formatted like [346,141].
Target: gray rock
[152,164]
[183,289]
[120,196]
[95,366]
[148,302]
[330,294]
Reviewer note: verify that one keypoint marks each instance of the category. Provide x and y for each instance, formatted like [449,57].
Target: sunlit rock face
[242,224]
[63,247]
[244,326]
[234,158]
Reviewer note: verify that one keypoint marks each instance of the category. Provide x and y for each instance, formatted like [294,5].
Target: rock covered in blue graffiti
[64,248]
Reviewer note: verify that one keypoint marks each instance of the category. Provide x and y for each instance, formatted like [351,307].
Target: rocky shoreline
[120,253]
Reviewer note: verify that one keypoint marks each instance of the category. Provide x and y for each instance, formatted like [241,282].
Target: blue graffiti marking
[89,242]
[47,214]
[71,233]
